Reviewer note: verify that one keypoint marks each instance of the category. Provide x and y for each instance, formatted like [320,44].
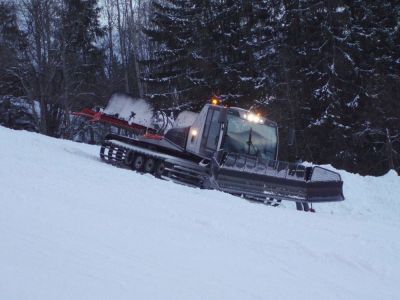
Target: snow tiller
[223,148]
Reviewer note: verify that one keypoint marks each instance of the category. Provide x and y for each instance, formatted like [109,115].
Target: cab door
[212,131]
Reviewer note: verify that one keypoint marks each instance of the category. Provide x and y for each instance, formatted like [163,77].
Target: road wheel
[149,165]
[129,158]
[138,163]
[160,167]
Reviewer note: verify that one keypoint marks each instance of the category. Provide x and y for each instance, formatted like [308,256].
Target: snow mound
[72,227]
[368,196]
[130,109]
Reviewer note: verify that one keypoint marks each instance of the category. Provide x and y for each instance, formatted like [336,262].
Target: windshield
[245,137]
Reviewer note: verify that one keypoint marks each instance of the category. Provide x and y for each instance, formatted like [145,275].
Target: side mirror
[223,115]
[291,136]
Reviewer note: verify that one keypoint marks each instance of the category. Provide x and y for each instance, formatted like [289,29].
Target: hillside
[72,227]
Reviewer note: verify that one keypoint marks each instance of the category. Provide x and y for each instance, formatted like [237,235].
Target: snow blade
[260,180]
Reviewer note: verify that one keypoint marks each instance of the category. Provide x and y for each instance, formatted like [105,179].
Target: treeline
[328,69]
[69,54]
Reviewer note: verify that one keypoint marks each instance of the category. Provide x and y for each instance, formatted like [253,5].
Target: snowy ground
[72,227]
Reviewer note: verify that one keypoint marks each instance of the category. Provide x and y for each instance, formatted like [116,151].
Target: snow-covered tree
[77,32]
[212,47]
[337,77]
[173,70]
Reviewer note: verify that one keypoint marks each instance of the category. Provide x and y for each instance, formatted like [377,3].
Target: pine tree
[337,60]
[173,71]
[212,47]
[246,50]
[377,32]
[291,105]
[333,86]
[81,59]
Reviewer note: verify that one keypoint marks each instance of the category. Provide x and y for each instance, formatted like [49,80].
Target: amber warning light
[214,101]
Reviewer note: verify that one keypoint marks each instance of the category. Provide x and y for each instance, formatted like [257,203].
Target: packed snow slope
[72,227]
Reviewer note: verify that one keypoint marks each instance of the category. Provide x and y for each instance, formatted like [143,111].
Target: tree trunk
[110,40]
[122,42]
[389,149]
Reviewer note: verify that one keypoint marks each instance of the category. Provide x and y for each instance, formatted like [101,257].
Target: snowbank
[132,110]
[377,198]
[72,227]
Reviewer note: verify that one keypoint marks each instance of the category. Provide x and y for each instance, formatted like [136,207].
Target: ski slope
[72,227]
